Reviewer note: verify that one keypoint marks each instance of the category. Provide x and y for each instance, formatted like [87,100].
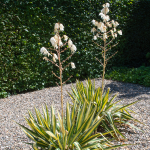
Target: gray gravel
[14,108]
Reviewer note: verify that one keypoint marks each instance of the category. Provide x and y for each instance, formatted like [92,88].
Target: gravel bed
[14,108]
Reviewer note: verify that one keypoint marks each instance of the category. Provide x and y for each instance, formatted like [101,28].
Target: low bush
[139,75]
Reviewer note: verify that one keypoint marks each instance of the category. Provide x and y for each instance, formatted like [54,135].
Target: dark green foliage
[26,26]
[139,75]
[135,44]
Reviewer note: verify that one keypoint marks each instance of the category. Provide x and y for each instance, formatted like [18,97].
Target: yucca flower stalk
[107,32]
[58,48]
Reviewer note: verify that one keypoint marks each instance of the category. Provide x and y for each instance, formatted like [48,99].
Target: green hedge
[134,47]
[26,26]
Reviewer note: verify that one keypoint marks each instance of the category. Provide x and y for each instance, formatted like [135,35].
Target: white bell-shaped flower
[44,51]
[120,32]
[73,48]
[115,30]
[69,43]
[53,41]
[109,25]
[116,24]
[112,33]
[105,36]
[100,25]
[55,56]
[107,5]
[105,10]
[95,37]
[93,21]
[93,30]
[103,29]
[65,37]
[73,65]
[61,27]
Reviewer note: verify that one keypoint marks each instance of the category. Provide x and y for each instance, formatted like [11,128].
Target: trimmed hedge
[27,25]
[134,47]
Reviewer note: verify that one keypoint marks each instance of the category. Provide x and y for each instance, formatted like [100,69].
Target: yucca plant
[114,115]
[76,133]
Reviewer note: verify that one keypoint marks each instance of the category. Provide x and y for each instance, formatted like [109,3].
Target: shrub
[115,115]
[135,44]
[139,75]
[76,132]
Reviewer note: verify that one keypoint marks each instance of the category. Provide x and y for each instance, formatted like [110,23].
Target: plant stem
[104,65]
[61,85]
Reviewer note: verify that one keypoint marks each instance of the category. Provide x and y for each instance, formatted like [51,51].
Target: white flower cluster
[58,26]
[103,26]
[44,51]
[57,42]
[71,46]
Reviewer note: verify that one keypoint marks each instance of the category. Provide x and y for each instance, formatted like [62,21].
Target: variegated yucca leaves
[77,131]
[114,115]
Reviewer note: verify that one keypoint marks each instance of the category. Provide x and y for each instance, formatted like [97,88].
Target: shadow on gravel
[128,90]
